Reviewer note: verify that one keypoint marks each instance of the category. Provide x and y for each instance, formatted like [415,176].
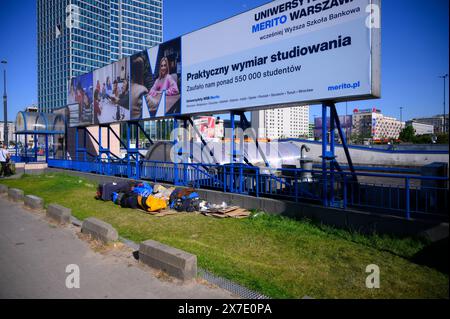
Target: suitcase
[105,191]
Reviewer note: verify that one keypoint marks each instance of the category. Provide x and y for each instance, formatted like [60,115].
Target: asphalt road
[34,254]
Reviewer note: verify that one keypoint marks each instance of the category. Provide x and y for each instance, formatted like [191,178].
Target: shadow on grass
[435,255]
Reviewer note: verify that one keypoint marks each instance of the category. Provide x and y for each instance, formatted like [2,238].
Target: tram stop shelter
[47,132]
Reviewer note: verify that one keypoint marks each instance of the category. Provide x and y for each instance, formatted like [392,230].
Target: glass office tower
[78,36]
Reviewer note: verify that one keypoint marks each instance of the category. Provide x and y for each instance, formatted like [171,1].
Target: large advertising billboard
[80,100]
[284,52]
[279,54]
[111,93]
[156,81]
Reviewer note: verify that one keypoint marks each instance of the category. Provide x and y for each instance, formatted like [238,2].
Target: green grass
[278,257]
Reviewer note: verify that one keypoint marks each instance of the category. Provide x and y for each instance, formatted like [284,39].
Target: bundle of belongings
[184,200]
[151,199]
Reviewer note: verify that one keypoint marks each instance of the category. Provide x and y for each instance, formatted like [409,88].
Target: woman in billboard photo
[165,81]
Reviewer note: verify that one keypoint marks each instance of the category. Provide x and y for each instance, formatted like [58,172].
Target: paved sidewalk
[34,254]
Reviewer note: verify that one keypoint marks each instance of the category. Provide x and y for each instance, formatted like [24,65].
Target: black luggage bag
[105,191]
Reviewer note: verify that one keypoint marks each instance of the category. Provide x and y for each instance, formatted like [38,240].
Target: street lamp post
[401,114]
[445,78]
[5,107]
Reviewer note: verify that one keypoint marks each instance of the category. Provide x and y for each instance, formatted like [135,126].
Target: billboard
[156,81]
[80,100]
[111,100]
[279,54]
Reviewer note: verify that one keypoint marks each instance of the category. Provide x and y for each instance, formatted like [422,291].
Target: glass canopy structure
[48,136]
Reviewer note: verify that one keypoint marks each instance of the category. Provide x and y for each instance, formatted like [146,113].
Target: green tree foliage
[423,139]
[442,138]
[407,134]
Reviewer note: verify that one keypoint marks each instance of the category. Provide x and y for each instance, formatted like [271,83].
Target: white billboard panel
[297,51]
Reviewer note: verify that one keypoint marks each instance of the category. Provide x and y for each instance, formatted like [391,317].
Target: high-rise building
[78,36]
[289,122]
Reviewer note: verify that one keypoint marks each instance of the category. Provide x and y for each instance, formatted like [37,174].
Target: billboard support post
[138,173]
[175,150]
[324,153]
[76,143]
[35,146]
[233,150]
[46,148]
[85,144]
[128,149]
[332,155]
[26,145]
[343,141]
[100,144]
[329,155]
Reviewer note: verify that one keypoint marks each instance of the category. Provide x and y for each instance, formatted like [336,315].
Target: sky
[415,50]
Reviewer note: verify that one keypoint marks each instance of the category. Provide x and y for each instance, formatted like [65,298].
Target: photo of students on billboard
[111,93]
[81,94]
[156,73]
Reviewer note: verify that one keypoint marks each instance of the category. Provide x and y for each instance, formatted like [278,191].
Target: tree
[407,134]
[423,139]
[356,138]
[442,138]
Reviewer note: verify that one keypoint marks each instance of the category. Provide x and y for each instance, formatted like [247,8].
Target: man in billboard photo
[97,99]
[138,89]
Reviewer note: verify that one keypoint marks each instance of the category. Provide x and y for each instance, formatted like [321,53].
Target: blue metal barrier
[406,195]
[23,159]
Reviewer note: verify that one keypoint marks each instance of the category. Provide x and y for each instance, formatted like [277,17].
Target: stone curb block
[59,213]
[3,189]
[15,194]
[175,262]
[100,230]
[33,202]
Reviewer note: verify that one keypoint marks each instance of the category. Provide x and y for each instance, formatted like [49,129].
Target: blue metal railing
[405,195]
[23,159]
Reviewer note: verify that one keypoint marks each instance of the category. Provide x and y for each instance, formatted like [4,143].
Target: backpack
[129,200]
[180,193]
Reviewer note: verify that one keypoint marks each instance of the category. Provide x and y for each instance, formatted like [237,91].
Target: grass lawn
[278,257]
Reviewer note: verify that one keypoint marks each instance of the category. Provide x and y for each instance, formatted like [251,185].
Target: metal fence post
[257,181]
[345,192]
[408,196]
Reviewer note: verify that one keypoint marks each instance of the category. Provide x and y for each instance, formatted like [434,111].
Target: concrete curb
[33,202]
[173,261]
[15,194]
[3,189]
[98,229]
[58,213]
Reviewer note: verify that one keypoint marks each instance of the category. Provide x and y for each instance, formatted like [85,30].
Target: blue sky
[415,50]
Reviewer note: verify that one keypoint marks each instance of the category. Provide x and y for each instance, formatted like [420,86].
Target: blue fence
[23,159]
[405,195]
